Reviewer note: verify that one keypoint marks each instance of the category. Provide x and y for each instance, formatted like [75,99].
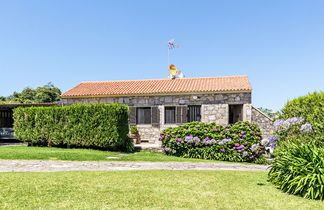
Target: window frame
[174,115]
[198,115]
[141,122]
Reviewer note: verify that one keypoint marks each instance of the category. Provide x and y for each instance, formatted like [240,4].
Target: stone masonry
[188,99]
[215,113]
[214,108]
[263,121]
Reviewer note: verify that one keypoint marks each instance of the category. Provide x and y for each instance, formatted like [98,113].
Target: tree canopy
[43,94]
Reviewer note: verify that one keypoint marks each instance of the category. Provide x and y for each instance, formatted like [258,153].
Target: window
[169,115]
[143,115]
[194,113]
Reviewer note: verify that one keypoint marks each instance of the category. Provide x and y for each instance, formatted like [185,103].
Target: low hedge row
[102,126]
[239,142]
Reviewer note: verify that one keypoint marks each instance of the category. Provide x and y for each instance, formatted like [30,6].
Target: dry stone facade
[214,108]
[215,113]
[188,99]
[263,121]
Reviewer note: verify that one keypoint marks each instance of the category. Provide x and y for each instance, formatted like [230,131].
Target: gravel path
[56,165]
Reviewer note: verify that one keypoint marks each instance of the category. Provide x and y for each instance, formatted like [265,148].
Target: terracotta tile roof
[160,86]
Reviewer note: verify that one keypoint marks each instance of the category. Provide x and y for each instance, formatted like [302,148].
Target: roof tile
[159,86]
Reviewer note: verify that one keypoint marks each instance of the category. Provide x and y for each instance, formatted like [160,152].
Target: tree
[28,94]
[268,112]
[43,94]
[47,93]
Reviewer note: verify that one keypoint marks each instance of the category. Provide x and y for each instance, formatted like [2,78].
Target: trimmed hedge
[102,126]
[239,142]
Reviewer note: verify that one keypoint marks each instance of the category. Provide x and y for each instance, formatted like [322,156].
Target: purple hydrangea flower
[245,153]
[166,149]
[196,139]
[174,151]
[189,139]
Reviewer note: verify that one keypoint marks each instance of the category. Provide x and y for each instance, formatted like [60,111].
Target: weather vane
[173,71]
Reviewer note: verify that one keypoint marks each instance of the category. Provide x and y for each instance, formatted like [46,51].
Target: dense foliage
[290,131]
[44,94]
[133,129]
[239,142]
[300,171]
[311,109]
[95,126]
[298,144]
[301,122]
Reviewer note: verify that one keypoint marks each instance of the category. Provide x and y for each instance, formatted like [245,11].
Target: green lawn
[52,153]
[153,189]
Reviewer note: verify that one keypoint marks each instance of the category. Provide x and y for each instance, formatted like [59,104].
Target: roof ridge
[187,78]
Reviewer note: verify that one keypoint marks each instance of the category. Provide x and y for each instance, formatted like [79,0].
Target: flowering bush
[239,142]
[288,131]
[310,108]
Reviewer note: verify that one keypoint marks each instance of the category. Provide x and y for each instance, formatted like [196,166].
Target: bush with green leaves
[133,129]
[300,171]
[286,132]
[310,108]
[239,142]
[102,126]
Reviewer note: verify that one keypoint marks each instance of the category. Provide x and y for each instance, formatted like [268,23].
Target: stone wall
[263,121]
[214,107]
[189,99]
[215,113]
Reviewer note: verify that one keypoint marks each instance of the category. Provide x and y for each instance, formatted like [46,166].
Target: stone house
[160,103]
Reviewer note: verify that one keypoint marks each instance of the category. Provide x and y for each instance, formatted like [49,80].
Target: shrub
[300,171]
[97,126]
[133,129]
[310,108]
[239,142]
[290,131]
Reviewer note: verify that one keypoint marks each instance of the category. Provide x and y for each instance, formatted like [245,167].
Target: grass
[52,153]
[153,189]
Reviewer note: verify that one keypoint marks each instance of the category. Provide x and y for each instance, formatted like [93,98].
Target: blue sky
[278,44]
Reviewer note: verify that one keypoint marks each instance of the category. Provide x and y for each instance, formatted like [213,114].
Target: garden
[294,152]
[297,145]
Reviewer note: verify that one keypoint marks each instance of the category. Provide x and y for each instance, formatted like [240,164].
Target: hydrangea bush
[239,142]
